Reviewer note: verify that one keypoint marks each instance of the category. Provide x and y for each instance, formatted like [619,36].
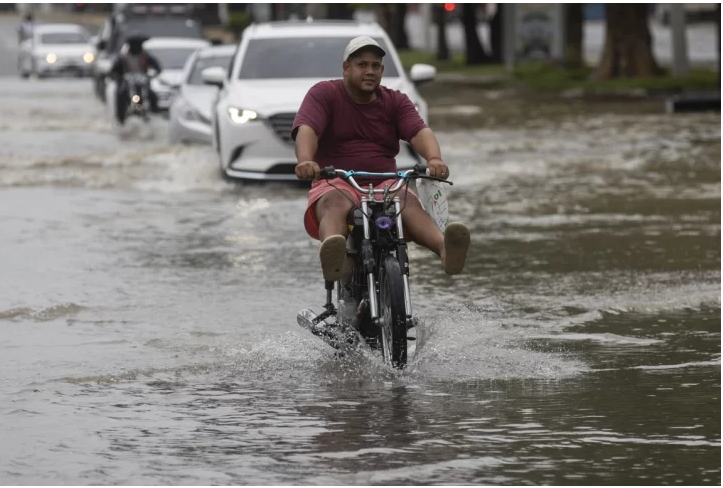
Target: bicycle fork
[368,260]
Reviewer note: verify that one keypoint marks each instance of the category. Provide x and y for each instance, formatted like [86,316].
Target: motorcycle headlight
[241,116]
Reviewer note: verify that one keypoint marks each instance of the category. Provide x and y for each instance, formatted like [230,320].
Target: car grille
[282,125]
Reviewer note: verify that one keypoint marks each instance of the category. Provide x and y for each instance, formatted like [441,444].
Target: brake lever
[328,173]
[435,179]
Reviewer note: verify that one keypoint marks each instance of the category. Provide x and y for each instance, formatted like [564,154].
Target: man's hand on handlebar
[308,170]
[438,168]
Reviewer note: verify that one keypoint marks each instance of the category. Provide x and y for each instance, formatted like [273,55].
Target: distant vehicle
[172,54]
[190,111]
[151,20]
[56,49]
[261,91]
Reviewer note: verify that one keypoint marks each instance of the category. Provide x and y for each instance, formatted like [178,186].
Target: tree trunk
[717,22]
[391,17]
[474,52]
[340,11]
[628,50]
[381,11]
[496,37]
[440,18]
[574,20]
[402,40]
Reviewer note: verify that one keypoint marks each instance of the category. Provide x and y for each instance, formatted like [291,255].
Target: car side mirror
[214,75]
[422,73]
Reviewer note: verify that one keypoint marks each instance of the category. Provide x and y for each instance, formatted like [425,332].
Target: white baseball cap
[360,42]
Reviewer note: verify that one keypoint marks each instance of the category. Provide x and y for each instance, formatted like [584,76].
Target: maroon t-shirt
[360,137]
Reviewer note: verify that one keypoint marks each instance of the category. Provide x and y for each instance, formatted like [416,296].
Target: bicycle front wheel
[392,314]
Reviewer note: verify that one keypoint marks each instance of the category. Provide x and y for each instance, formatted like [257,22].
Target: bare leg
[420,226]
[331,211]
[451,247]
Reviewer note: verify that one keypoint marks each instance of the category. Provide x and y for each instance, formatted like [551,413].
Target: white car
[190,112]
[275,65]
[172,54]
[56,49]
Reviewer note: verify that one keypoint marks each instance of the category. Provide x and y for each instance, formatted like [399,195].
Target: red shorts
[322,187]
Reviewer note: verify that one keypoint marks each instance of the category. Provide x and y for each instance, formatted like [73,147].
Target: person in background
[132,59]
[25,29]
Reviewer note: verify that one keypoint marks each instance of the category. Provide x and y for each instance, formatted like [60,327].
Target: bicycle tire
[392,314]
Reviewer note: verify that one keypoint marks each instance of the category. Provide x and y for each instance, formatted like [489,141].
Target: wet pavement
[147,309]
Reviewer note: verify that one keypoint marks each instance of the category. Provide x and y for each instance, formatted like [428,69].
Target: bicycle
[373,299]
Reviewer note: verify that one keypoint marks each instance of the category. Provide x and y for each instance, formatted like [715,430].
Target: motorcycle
[373,301]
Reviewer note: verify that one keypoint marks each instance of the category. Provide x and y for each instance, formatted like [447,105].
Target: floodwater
[148,312]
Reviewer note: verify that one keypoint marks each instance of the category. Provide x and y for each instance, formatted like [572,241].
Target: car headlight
[189,113]
[51,58]
[241,116]
[88,57]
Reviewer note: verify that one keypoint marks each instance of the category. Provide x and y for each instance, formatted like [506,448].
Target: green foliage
[456,64]
[547,78]
[551,78]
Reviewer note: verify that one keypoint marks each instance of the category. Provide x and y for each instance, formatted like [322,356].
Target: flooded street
[148,310]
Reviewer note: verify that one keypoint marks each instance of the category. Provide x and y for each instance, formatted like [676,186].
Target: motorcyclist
[356,122]
[25,29]
[132,59]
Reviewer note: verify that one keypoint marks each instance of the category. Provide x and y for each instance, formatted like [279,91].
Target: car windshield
[206,62]
[300,57]
[171,58]
[63,38]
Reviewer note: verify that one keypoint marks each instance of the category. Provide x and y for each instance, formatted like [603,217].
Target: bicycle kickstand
[329,309]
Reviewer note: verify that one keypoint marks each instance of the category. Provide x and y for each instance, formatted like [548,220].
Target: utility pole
[425,9]
[223,13]
[680,48]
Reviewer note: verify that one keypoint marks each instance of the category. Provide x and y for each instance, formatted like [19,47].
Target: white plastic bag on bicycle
[434,201]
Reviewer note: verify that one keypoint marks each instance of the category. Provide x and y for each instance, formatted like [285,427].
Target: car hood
[267,97]
[200,98]
[172,77]
[63,49]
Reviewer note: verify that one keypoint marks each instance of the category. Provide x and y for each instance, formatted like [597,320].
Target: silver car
[275,65]
[56,49]
[190,112]
[172,54]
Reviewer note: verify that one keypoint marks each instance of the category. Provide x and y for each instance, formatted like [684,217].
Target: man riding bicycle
[356,124]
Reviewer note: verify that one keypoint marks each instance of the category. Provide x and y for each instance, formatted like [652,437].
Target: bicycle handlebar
[418,171]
